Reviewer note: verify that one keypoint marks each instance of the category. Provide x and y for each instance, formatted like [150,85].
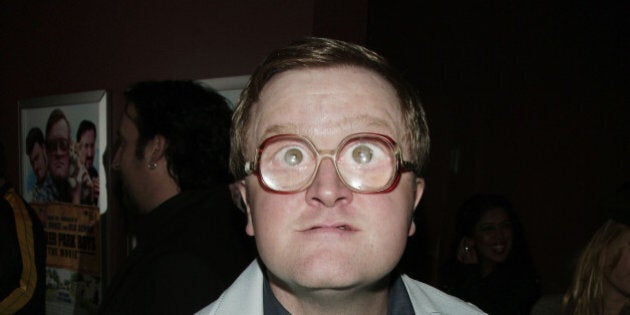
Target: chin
[499,260]
[338,274]
[324,280]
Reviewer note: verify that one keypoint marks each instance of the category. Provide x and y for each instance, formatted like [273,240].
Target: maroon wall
[531,97]
[58,47]
[63,47]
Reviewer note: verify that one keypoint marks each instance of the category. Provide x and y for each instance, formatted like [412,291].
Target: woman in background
[491,267]
[601,282]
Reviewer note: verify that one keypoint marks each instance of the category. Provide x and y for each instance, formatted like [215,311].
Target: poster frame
[85,274]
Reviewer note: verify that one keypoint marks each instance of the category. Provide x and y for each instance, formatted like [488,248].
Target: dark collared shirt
[398,302]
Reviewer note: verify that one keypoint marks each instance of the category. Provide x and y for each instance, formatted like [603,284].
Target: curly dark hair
[84,126]
[196,123]
[34,136]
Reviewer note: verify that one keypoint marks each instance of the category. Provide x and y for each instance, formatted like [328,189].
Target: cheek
[267,210]
[272,220]
[483,238]
[389,209]
[623,266]
[509,235]
[619,276]
[390,215]
[127,159]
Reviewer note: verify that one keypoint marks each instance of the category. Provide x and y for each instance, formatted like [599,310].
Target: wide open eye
[362,154]
[61,144]
[366,163]
[288,155]
[293,156]
[287,164]
[365,153]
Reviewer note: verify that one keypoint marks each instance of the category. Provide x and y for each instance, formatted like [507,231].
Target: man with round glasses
[329,143]
[58,141]
[365,162]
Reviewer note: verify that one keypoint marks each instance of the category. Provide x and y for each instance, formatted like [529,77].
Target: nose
[327,188]
[58,151]
[500,234]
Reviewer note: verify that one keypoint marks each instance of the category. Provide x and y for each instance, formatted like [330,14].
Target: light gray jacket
[245,297]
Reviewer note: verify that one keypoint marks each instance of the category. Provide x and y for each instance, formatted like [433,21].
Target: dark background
[530,99]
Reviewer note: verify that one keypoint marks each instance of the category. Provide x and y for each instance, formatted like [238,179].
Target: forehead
[327,102]
[88,135]
[494,215]
[60,127]
[38,148]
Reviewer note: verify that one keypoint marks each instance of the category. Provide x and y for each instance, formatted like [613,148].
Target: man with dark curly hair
[172,156]
[86,148]
[36,151]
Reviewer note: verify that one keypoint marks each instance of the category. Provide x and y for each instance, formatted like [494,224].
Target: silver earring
[152,166]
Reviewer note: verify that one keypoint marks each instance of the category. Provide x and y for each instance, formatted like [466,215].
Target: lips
[336,227]
[499,249]
[59,163]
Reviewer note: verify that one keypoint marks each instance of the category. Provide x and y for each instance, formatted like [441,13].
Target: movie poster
[62,176]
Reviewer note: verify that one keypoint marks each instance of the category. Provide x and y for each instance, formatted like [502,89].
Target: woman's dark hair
[471,211]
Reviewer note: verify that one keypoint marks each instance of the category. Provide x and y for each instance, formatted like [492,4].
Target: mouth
[343,227]
[499,249]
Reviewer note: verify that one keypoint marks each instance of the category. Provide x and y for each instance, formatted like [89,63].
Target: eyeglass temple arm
[407,166]
[250,167]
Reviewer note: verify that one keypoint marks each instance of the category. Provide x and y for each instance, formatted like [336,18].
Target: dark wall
[532,98]
[529,97]
[53,47]
[59,47]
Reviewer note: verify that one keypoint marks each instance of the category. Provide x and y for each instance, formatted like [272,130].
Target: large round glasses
[365,163]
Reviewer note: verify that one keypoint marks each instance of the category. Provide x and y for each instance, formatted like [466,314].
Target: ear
[417,196]
[419,191]
[412,228]
[155,149]
[249,228]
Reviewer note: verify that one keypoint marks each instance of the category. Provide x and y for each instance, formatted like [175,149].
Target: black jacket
[507,290]
[190,249]
[22,256]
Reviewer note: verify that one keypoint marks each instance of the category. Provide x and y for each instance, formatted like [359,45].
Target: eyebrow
[279,129]
[497,223]
[367,120]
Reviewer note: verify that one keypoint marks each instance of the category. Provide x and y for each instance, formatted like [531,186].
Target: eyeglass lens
[53,145]
[364,163]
